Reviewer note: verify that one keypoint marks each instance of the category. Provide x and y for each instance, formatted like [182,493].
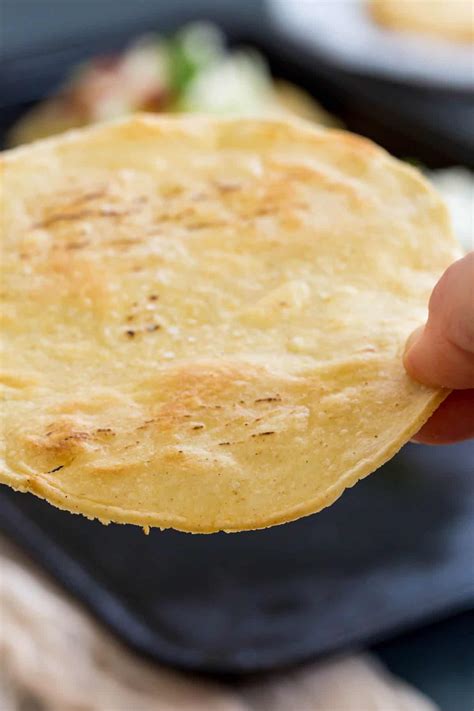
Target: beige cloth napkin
[53,657]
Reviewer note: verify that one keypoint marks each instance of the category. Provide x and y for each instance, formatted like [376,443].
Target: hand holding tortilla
[441,354]
[205,319]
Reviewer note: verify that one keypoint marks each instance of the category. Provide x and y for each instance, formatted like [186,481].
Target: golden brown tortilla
[204,319]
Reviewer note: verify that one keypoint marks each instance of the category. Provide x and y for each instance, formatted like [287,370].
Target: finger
[442,353]
[452,422]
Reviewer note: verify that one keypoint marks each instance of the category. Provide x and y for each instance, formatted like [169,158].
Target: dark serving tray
[394,551]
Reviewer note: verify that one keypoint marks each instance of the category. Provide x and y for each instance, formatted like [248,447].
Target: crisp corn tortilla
[447,19]
[204,319]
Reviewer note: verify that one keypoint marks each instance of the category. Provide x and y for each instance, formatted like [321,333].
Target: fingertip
[413,338]
[414,351]
[432,359]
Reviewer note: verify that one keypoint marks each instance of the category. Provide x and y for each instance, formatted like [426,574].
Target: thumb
[442,352]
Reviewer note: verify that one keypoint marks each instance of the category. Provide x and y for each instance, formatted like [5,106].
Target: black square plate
[394,551]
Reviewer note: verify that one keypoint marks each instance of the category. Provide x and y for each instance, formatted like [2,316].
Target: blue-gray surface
[32,23]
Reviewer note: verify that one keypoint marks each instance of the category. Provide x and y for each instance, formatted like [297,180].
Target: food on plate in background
[192,71]
[205,318]
[447,19]
[293,100]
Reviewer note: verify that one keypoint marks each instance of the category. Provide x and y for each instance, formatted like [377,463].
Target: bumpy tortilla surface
[204,319]
[447,19]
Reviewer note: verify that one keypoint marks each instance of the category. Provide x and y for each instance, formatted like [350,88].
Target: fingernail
[412,339]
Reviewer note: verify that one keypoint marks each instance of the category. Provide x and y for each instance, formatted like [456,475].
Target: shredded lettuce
[190,52]
[239,83]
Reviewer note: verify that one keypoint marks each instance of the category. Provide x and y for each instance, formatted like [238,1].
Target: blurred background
[389,567]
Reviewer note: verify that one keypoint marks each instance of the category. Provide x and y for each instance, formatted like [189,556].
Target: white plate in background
[344,32]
